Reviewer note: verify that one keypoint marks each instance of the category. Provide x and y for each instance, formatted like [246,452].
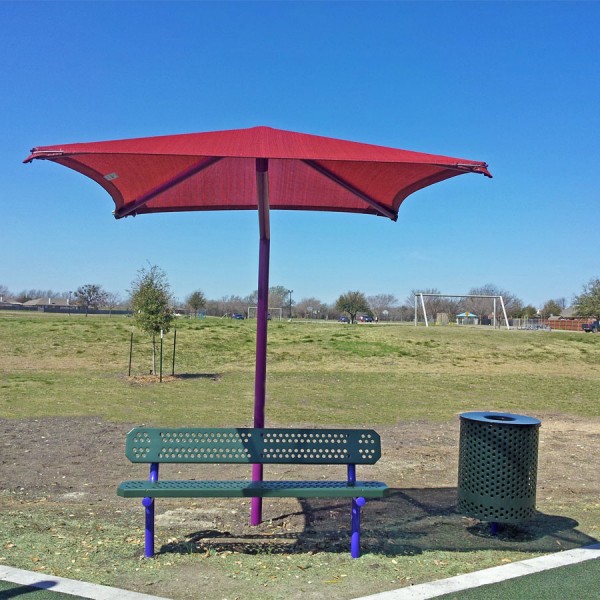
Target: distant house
[47,302]
[8,302]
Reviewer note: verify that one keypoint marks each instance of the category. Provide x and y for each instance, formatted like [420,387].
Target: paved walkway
[551,577]
[15,583]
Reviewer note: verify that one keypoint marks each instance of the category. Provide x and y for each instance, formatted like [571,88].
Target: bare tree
[111,301]
[228,305]
[433,304]
[90,295]
[32,294]
[484,306]
[404,312]
[4,293]
[311,308]
[380,303]
[278,297]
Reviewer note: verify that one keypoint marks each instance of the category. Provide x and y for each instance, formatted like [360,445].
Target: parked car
[594,326]
[344,320]
[237,316]
[365,319]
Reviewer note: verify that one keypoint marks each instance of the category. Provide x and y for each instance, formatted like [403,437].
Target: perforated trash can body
[497,467]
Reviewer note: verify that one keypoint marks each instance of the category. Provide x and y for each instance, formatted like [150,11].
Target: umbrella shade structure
[217,171]
[259,168]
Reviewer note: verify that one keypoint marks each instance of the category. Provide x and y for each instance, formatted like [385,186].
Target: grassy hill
[321,373]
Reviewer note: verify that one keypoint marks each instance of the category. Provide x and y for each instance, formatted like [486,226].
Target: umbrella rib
[190,172]
[384,210]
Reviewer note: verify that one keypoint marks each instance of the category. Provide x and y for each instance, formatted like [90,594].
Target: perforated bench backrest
[247,445]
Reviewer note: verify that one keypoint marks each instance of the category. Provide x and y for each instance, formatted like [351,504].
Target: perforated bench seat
[251,489]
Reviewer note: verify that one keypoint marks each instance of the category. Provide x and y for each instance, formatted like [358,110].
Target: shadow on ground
[408,522]
[213,376]
[41,590]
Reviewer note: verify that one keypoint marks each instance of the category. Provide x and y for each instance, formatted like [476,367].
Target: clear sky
[515,84]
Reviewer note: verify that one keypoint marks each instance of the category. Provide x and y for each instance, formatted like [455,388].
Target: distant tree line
[381,307]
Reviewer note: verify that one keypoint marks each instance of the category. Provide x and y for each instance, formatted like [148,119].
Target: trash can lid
[498,418]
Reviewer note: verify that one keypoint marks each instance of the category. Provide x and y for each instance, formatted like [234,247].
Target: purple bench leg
[149,532]
[355,535]
[148,504]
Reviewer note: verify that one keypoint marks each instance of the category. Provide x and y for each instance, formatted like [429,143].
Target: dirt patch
[79,462]
[156,379]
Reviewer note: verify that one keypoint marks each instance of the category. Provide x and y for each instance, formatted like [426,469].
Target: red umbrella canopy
[217,171]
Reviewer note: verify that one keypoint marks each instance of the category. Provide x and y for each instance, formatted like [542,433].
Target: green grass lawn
[318,372]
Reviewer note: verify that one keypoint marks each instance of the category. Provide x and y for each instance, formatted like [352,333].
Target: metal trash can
[497,467]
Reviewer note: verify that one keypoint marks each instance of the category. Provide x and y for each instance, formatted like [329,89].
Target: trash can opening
[499,418]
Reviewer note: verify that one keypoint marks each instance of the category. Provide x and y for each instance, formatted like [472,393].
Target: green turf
[10,590]
[579,581]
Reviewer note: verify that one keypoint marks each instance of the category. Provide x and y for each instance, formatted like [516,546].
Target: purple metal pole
[355,521]
[260,378]
[351,474]
[148,504]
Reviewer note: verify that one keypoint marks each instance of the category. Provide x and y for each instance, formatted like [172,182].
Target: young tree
[528,312]
[196,300]
[587,304]
[551,308]
[89,296]
[352,303]
[151,304]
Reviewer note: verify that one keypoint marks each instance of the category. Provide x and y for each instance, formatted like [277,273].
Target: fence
[555,324]
[73,309]
[567,324]
[530,324]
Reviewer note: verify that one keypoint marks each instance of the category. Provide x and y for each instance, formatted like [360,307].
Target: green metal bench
[258,447]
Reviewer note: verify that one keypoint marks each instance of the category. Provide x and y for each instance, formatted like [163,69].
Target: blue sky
[516,84]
